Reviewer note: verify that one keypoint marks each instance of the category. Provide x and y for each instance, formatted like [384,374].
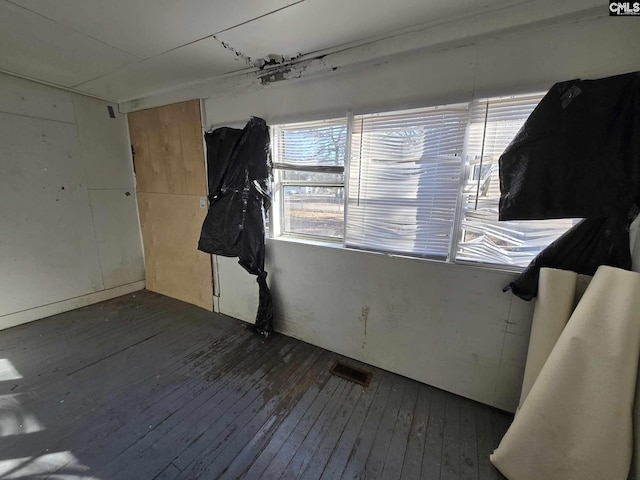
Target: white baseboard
[25,316]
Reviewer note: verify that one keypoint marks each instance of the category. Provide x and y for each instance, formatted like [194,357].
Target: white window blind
[309,171]
[404,180]
[312,146]
[492,126]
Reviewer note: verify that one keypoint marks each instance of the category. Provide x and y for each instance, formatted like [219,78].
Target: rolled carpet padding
[554,305]
[576,422]
[634,473]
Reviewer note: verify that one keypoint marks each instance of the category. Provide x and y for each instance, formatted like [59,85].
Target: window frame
[423,115]
[490,105]
[277,226]
[277,210]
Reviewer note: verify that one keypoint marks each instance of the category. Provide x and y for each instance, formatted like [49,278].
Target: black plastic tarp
[578,153]
[582,249]
[577,156]
[239,166]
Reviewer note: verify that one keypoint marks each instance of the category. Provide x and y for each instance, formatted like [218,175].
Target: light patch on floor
[8,371]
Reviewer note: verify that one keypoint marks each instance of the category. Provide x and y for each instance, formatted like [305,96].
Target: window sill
[307,241]
[338,246]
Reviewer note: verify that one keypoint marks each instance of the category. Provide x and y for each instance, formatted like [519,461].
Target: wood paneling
[171,181]
[208,399]
[169,155]
[170,231]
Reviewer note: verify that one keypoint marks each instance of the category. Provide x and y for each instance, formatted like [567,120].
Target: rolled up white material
[554,305]
[576,422]
[634,474]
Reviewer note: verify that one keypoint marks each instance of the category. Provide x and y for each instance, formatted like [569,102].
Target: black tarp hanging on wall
[239,166]
[578,153]
[577,156]
[582,249]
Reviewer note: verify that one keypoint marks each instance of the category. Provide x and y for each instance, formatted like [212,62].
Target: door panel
[171,192]
[170,229]
[169,153]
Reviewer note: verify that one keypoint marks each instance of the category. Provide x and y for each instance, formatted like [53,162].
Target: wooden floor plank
[169,473]
[500,422]
[281,421]
[361,448]
[88,337]
[295,420]
[183,409]
[485,443]
[332,432]
[81,322]
[144,386]
[86,368]
[468,442]
[312,440]
[282,401]
[338,432]
[412,463]
[289,448]
[432,458]
[176,434]
[72,397]
[340,455]
[450,466]
[144,414]
[222,447]
[382,440]
[225,415]
[398,446]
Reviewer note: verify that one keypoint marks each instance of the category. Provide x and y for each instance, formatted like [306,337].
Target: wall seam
[84,177]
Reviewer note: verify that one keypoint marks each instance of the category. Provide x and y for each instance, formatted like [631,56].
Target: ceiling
[126,49]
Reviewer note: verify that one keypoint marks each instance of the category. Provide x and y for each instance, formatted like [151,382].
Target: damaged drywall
[426,39]
[276,76]
[259,63]
[278,67]
[248,60]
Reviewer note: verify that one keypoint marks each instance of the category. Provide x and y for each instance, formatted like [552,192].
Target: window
[484,239]
[420,182]
[404,180]
[309,163]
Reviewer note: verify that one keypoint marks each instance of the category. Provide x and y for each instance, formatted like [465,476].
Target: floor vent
[352,374]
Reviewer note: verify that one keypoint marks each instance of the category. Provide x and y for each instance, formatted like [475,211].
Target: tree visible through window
[420,182]
[309,160]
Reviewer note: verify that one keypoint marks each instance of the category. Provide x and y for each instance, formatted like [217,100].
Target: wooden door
[171,188]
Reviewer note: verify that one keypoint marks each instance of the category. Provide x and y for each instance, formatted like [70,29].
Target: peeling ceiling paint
[121,50]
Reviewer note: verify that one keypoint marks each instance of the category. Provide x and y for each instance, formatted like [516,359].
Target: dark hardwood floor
[147,387]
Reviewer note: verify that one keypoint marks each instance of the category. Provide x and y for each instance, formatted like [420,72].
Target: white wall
[69,231]
[446,325]
[519,62]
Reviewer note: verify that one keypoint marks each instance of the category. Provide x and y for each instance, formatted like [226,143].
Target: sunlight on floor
[8,371]
[27,467]
[13,419]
